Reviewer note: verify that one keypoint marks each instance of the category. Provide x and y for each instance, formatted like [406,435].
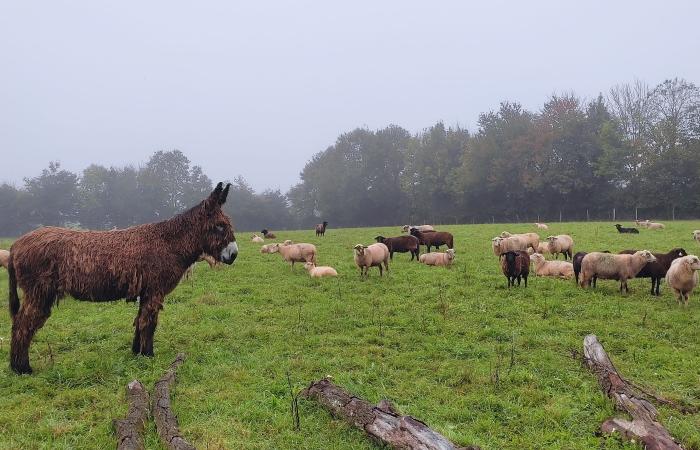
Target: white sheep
[655,225]
[608,266]
[367,256]
[544,268]
[295,252]
[501,245]
[320,271]
[437,258]
[541,226]
[682,276]
[405,228]
[696,236]
[268,248]
[532,239]
[561,243]
[257,239]
[542,249]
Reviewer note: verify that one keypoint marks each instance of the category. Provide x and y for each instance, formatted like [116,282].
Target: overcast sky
[256,88]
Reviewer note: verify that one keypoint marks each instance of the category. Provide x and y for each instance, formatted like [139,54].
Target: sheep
[515,265]
[321,228]
[295,252]
[542,249]
[203,257]
[401,244]
[319,271]
[257,239]
[541,226]
[438,259]
[613,267]
[433,238]
[621,229]
[544,268]
[4,258]
[407,228]
[682,276]
[268,234]
[501,245]
[370,256]
[561,243]
[655,226]
[657,270]
[576,261]
[642,223]
[532,239]
[268,248]
[287,242]
[696,236]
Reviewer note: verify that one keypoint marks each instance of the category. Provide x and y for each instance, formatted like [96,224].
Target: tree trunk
[382,422]
[130,429]
[166,420]
[644,427]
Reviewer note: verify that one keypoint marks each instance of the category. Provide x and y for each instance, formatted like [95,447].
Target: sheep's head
[679,252]
[496,242]
[287,242]
[360,249]
[405,228]
[648,257]
[551,240]
[618,226]
[309,265]
[506,234]
[379,238]
[693,262]
[450,253]
[696,234]
[415,232]
[274,248]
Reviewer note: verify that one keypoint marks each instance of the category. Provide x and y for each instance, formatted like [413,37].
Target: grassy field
[453,347]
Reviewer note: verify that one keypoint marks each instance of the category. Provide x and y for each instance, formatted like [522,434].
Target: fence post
[588,218]
[673,213]
[635,214]
[560,215]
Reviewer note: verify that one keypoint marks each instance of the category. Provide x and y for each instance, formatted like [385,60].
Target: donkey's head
[218,238]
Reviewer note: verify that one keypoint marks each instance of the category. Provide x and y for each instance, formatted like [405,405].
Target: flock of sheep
[517,252]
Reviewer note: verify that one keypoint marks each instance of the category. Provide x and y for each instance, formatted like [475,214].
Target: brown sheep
[321,229]
[401,244]
[433,238]
[515,265]
[267,234]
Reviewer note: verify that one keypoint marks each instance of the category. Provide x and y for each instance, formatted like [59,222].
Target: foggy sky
[256,88]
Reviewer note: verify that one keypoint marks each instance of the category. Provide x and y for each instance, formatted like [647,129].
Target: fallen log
[644,427]
[130,429]
[165,418]
[382,422]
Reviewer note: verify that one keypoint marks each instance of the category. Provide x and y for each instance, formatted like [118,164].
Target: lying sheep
[541,226]
[655,225]
[621,229]
[613,267]
[542,249]
[268,248]
[367,256]
[682,276]
[406,228]
[319,271]
[268,234]
[438,259]
[561,243]
[295,252]
[515,265]
[544,268]
[532,239]
[696,236]
[4,258]
[257,239]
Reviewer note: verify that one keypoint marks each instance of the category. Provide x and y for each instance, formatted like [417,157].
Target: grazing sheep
[621,229]
[4,258]
[257,239]
[370,256]
[655,226]
[532,239]
[515,265]
[542,249]
[613,267]
[321,228]
[657,270]
[541,226]
[295,252]
[438,259]
[544,268]
[433,238]
[319,271]
[268,248]
[401,244]
[696,236]
[682,276]
[268,234]
[511,244]
[406,228]
[561,243]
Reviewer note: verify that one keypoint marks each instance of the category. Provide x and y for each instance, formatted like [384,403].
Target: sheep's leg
[29,319]
[381,272]
[386,265]
[518,280]
[525,277]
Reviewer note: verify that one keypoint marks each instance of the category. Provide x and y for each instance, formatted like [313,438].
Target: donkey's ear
[224,194]
[215,195]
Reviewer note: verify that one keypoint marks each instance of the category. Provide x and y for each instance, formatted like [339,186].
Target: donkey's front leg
[148,320]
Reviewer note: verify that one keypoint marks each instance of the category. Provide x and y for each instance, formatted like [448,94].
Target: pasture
[453,347]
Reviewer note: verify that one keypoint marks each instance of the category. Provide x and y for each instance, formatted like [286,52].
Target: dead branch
[165,418]
[130,429]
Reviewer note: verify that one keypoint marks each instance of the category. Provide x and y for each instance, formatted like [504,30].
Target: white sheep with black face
[682,276]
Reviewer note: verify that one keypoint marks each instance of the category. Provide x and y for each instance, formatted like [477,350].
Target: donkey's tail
[14,298]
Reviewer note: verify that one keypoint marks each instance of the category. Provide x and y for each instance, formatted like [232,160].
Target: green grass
[432,340]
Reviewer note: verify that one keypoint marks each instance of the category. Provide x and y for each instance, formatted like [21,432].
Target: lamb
[370,256]
[295,252]
[319,271]
[532,239]
[542,249]
[541,226]
[433,238]
[257,239]
[515,265]
[621,229]
[268,234]
[561,243]
[401,244]
[613,267]
[682,276]
[544,268]
[438,259]
[657,270]
[696,236]
[501,245]
[407,228]
[4,258]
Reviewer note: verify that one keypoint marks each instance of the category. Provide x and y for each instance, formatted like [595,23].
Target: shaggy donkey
[144,261]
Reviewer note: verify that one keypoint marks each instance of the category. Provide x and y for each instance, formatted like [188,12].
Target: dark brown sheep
[657,270]
[401,244]
[321,228]
[267,234]
[515,265]
[433,238]
[144,262]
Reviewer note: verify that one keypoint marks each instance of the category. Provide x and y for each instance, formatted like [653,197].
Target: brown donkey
[144,261]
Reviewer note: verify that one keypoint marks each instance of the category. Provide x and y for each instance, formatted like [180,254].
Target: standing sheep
[501,245]
[319,271]
[295,252]
[657,270]
[321,228]
[438,259]
[576,261]
[406,228]
[561,243]
[433,238]
[515,265]
[613,267]
[682,276]
[532,239]
[544,268]
[401,244]
[367,256]
[541,226]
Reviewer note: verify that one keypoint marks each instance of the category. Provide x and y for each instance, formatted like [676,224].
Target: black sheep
[621,229]
[515,265]
[657,270]
[401,244]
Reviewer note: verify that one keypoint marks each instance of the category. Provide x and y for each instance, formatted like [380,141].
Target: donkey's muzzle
[229,254]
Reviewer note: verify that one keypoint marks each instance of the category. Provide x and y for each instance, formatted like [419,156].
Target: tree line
[635,148]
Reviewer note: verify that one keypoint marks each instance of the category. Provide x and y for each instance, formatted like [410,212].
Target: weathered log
[130,429]
[644,427]
[382,423]
[165,418]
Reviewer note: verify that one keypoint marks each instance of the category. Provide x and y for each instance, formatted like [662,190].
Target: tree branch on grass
[165,418]
[130,429]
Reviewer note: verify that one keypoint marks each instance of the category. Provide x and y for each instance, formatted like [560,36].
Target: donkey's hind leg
[29,319]
[136,343]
